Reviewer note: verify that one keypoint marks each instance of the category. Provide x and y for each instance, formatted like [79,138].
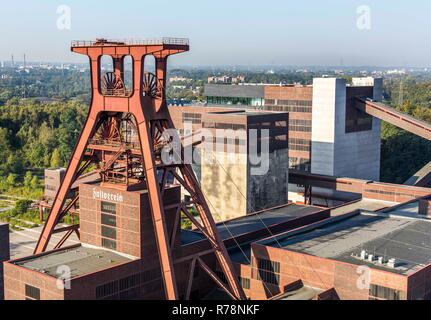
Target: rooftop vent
[392,263]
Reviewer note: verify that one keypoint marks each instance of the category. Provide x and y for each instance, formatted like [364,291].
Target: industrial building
[356,256]
[334,128]
[287,252]
[4,252]
[323,118]
[275,240]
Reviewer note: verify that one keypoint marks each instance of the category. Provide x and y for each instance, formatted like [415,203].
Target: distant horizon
[206,66]
[382,33]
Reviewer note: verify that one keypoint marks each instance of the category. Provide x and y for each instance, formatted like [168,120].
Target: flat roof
[402,237]
[251,223]
[259,221]
[362,204]
[80,259]
[264,219]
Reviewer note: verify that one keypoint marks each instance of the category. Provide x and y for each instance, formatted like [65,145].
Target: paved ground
[22,243]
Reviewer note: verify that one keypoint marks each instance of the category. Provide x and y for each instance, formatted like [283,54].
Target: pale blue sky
[230,32]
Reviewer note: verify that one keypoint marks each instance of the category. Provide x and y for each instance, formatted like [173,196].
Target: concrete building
[234,185]
[53,178]
[345,142]
[246,171]
[4,252]
[328,134]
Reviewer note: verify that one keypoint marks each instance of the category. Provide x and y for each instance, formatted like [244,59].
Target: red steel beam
[152,116]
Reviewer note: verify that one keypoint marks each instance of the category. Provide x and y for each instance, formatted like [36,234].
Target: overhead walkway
[421,128]
[392,116]
[422,178]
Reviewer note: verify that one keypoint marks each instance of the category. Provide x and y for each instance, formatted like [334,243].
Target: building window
[384,293]
[267,271]
[109,244]
[109,207]
[268,277]
[299,144]
[108,232]
[194,118]
[245,283]
[32,293]
[268,265]
[106,290]
[128,287]
[299,125]
[108,221]
[129,282]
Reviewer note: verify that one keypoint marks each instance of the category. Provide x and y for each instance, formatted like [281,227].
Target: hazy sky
[230,32]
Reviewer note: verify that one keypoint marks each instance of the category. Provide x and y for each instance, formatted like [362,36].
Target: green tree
[21,206]
[34,183]
[28,179]
[55,159]
[11,180]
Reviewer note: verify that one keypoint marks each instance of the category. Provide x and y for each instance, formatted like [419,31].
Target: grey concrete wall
[4,253]
[271,189]
[335,152]
[329,96]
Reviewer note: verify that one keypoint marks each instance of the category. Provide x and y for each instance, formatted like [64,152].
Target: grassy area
[24,192]
[21,215]
[28,219]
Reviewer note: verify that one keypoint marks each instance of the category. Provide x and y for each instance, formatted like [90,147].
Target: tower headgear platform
[123,137]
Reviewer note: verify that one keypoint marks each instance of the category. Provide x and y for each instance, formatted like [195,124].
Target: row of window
[124,284]
[267,271]
[235,141]
[293,103]
[299,125]
[299,144]
[384,293]
[32,293]
[108,223]
[301,109]
[225,126]
[192,117]
[234,101]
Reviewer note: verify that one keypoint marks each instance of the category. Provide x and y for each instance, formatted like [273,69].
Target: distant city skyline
[380,33]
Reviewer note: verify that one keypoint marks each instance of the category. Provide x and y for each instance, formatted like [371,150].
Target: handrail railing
[131,42]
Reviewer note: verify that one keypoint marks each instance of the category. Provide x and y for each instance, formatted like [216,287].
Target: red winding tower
[124,163]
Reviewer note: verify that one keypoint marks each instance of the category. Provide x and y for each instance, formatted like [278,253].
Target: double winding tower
[123,138]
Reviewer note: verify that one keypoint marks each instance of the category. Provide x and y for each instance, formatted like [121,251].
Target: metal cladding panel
[234,91]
